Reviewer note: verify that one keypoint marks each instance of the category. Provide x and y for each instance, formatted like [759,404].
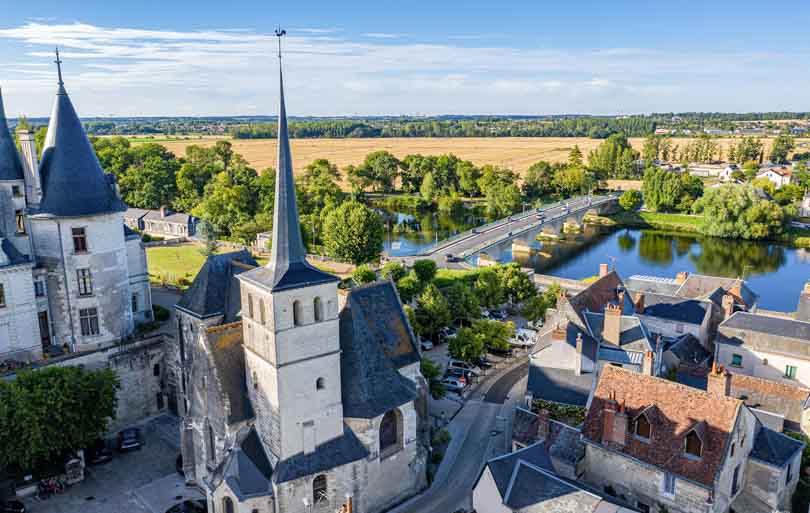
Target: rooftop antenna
[279,34]
[58,62]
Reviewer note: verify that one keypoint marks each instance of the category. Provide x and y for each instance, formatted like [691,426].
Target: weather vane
[58,62]
[279,34]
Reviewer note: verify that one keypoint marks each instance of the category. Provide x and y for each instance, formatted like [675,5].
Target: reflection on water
[776,272]
[411,233]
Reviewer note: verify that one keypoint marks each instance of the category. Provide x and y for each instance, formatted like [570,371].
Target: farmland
[517,153]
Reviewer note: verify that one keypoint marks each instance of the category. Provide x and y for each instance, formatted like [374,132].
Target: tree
[380,168]
[575,157]
[48,411]
[630,200]
[788,194]
[467,345]
[428,188]
[488,288]
[468,176]
[432,373]
[363,274]
[651,149]
[782,146]
[501,192]
[208,234]
[665,190]
[570,181]
[318,187]
[463,303]
[150,181]
[432,312]
[517,286]
[496,334]
[535,308]
[229,200]
[408,287]
[614,158]
[538,180]
[353,232]
[393,270]
[425,270]
[737,211]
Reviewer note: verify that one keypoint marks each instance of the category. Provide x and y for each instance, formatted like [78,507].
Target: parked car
[458,373]
[526,334]
[448,332]
[129,439]
[541,216]
[506,353]
[458,364]
[12,507]
[425,344]
[449,257]
[482,362]
[454,384]
[99,455]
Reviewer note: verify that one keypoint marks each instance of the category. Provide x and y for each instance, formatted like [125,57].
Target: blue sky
[415,57]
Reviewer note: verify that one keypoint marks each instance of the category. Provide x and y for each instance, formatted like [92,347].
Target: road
[502,231]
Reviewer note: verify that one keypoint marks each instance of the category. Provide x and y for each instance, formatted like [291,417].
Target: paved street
[142,481]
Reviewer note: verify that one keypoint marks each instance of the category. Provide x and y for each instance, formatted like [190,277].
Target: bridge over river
[453,252]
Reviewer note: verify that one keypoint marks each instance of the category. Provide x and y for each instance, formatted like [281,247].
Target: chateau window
[85,282]
[15,191]
[261,311]
[318,307]
[210,446]
[789,475]
[790,372]
[20,220]
[79,240]
[390,433]
[227,505]
[298,313]
[39,288]
[643,428]
[88,318]
[669,484]
[693,446]
[2,296]
[250,306]
[320,493]
[156,369]
[320,384]
[134,303]
[736,360]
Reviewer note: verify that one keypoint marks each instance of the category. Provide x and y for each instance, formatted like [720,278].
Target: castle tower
[291,333]
[13,225]
[78,236]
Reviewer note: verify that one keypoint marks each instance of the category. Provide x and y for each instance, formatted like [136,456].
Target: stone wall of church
[106,257]
[19,328]
[341,482]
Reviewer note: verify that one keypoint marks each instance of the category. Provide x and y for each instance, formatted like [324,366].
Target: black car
[129,439]
[482,362]
[12,507]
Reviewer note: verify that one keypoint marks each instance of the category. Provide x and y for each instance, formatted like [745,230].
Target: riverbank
[685,224]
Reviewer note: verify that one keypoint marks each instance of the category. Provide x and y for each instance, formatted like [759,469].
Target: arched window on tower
[318,307]
[390,433]
[227,505]
[320,493]
[320,384]
[250,306]
[261,311]
[298,313]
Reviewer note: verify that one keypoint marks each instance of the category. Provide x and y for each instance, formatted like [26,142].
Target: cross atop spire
[279,34]
[58,62]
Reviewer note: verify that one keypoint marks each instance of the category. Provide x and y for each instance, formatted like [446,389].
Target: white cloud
[125,71]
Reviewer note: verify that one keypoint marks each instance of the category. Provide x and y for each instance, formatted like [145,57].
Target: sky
[362,57]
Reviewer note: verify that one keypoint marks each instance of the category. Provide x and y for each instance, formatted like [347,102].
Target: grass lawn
[657,220]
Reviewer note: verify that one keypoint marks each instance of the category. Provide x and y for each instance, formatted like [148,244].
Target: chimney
[603,270]
[639,303]
[736,289]
[560,332]
[612,325]
[30,162]
[648,364]
[164,211]
[681,277]
[543,417]
[614,422]
[728,305]
[803,308]
[578,359]
[719,381]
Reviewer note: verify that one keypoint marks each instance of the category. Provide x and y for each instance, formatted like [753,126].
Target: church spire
[288,265]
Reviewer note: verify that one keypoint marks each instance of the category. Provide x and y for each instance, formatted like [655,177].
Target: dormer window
[693,445]
[643,428]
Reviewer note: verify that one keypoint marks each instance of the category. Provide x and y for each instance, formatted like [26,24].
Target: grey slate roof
[246,469]
[778,326]
[651,284]
[370,382]
[613,354]
[334,453]
[566,443]
[73,183]
[774,448]
[10,165]
[688,349]
[675,308]
[226,347]
[700,286]
[288,267]
[589,345]
[632,337]
[524,426]
[215,290]
[503,467]
[559,385]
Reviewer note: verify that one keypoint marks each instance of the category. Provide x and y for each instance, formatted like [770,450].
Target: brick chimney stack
[728,305]
[615,422]
[612,325]
[603,270]
[648,364]
[719,381]
[639,303]
[681,277]
[543,418]
[560,331]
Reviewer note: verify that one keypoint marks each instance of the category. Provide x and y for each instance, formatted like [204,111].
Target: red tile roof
[678,410]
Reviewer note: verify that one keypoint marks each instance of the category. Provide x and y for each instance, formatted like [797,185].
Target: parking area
[142,481]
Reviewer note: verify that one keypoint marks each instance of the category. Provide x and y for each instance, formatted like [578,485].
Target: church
[73,278]
[297,395]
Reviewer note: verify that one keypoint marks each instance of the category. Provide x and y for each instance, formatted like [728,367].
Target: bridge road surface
[500,232]
[456,491]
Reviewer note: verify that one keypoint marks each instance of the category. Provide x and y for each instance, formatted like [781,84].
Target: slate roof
[370,382]
[675,308]
[524,426]
[599,293]
[215,290]
[135,213]
[503,467]
[589,345]
[688,349]
[172,217]
[679,409]
[559,385]
[288,267]
[10,164]
[775,448]
[246,469]
[73,183]
[565,442]
[334,453]
[129,232]
[12,253]
[651,284]
[778,326]
[226,346]
[632,337]
[698,286]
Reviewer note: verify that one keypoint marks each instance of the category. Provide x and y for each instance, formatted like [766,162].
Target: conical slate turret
[10,164]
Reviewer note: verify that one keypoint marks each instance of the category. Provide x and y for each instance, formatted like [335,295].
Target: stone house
[296,396]
[778,175]
[662,445]
[161,223]
[526,481]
